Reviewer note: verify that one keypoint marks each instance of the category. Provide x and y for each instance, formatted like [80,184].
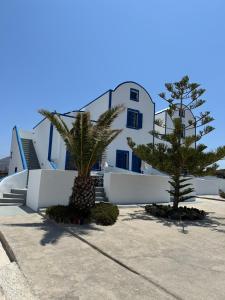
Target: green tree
[86,141]
[175,151]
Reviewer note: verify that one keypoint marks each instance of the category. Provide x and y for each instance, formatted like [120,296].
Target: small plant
[105,213]
[181,213]
[222,194]
[101,213]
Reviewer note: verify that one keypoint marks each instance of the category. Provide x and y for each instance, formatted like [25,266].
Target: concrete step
[12,195]
[101,193]
[99,198]
[19,191]
[99,189]
[11,204]
[11,200]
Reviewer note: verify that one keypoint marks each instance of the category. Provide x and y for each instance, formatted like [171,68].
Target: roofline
[160,111]
[93,100]
[129,81]
[108,91]
[165,109]
[64,115]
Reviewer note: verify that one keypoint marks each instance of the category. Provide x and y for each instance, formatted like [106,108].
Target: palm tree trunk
[83,193]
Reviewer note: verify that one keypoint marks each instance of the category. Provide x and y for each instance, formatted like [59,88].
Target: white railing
[17,180]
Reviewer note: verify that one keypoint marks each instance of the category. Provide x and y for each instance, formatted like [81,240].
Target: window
[134,95]
[183,131]
[134,119]
[182,112]
[122,159]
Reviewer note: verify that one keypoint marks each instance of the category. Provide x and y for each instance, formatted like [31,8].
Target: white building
[167,125]
[44,148]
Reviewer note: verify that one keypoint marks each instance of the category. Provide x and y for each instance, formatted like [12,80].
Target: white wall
[25,134]
[221,184]
[161,116]
[49,187]
[17,180]
[121,95]
[206,186]
[134,189]
[166,120]
[15,160]
[41,141]
[97,107]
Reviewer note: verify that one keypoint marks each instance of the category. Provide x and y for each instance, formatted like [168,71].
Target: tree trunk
[176,198]
[83,193]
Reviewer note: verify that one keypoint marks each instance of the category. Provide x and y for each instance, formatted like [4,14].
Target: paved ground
[13,284]
[171,260]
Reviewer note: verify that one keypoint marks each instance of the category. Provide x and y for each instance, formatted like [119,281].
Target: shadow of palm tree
[52,231]
[215,223]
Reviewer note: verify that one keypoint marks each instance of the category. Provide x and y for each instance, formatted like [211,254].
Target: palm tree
[86,141]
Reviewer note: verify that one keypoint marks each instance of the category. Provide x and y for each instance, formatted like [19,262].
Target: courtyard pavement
[137,258]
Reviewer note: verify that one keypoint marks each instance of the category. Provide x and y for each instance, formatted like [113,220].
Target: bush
[67,214]
[222,194]
[104,213]
[182,213]
[101,213]
[59,213]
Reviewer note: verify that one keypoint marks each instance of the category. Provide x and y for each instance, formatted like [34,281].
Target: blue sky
[61,54]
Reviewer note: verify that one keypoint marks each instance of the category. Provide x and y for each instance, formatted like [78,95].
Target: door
[69,164]
[122,159]
[136,163]
[97,166]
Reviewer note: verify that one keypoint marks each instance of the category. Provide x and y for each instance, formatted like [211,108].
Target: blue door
[122,159]
[136,163]
[97,166]
[69,164]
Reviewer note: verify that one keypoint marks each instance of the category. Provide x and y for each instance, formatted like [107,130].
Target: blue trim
[110,99]
[39,123]
[50,142]
[50,146]
[53,164]
[22,155]
[95,99]
[65,115]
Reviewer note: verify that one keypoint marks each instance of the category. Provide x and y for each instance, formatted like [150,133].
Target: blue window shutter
[119,158]
[140,120]
[129,118]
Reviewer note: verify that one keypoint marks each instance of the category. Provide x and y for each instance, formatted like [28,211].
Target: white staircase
[15,197]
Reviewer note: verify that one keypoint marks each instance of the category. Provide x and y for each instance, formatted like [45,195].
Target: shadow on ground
[52,232]
[215,223]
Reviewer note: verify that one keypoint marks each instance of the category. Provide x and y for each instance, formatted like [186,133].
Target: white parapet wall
[49,187]
[17,180]
[136,188]
[204,186]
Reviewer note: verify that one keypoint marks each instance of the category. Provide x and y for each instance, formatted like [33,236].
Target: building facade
[44,148]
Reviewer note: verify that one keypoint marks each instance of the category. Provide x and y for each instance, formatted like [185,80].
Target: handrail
[21,149]
[53,164]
